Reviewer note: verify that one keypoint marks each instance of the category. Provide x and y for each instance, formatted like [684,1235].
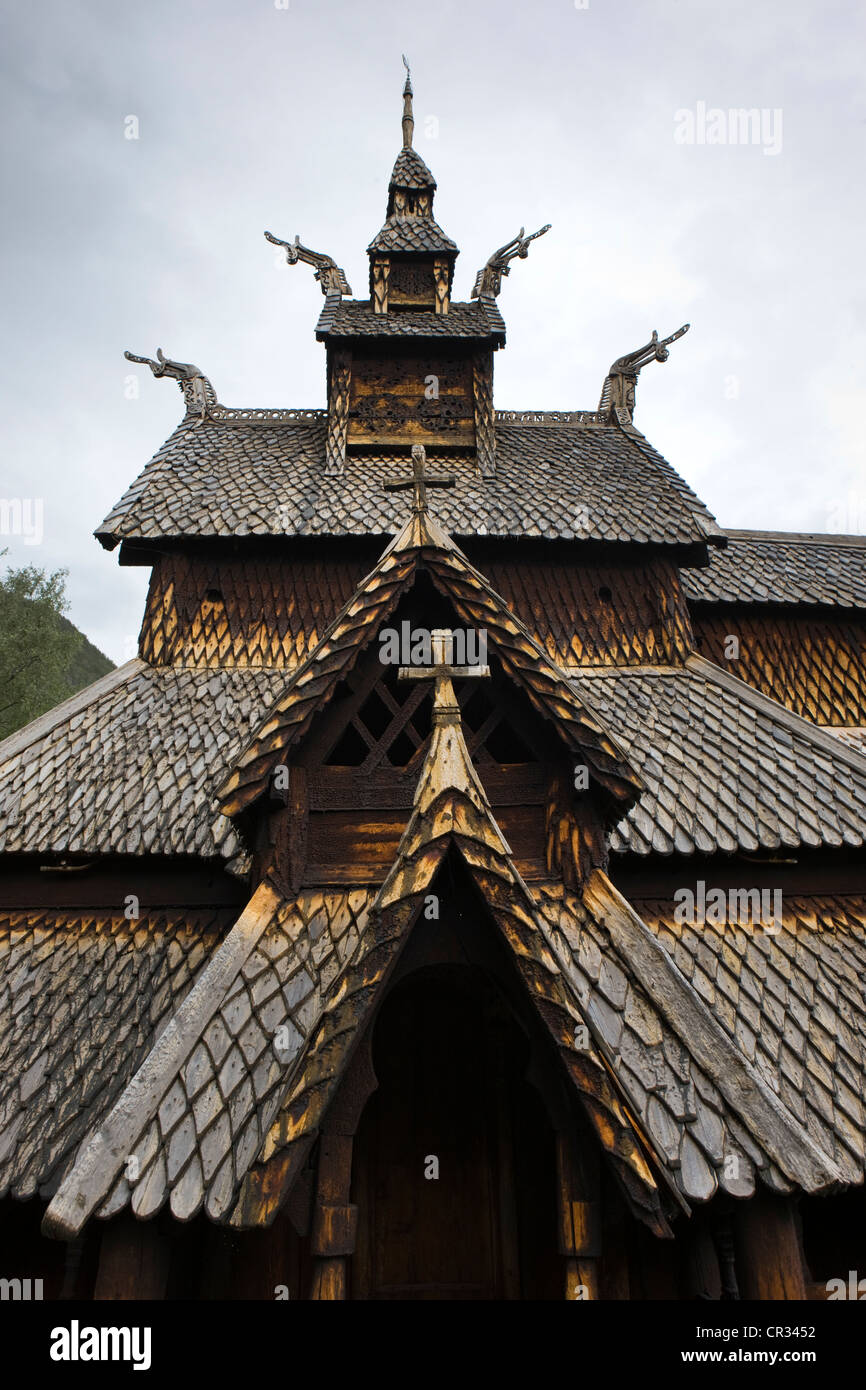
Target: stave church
[462,895]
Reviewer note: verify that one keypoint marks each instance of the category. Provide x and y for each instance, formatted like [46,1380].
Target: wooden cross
[420,479]
[445,707]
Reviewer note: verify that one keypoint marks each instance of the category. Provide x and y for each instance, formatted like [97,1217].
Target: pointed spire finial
[408,119]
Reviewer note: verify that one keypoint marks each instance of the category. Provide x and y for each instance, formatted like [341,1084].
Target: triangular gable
[222,1112]
[423,542]
[214,1095]
[450,809]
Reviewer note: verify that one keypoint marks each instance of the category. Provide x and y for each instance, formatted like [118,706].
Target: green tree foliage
[43,658]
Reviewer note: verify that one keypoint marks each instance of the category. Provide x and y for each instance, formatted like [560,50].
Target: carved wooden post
[338,410]
[298,820]
[440,276]
[579,1213]
[335,1218]
[381,274]
[485,434]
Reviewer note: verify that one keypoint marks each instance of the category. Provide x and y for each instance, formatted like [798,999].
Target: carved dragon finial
[196,388]
[328,273]
[620,384]
[408,118]
[488,281]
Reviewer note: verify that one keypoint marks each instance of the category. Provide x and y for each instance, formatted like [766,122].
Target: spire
[408,119]
[411,258]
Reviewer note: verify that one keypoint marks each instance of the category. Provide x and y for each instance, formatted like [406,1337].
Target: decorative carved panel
[412,282]
[422,396]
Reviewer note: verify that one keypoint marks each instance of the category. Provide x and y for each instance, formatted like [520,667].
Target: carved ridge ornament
[328,273]
[488,281]
[195,387]
[547,417]
[620,385]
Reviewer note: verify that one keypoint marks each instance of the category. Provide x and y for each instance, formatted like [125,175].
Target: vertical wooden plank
[297,827]
[769,1258]
[579,1219]
[334,1219]
[133,1261]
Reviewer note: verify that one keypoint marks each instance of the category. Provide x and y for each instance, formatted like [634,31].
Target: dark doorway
[451,1059]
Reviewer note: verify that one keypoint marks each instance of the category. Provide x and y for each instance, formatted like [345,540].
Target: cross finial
[441,670]
[420,480]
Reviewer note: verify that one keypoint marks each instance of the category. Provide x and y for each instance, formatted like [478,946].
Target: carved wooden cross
[445,707]
[420,479]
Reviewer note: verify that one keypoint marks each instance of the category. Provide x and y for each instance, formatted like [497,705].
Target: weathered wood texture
[272,611]
[769,1256]
[815,663]
[792,997]
[134,1261]
[452,810]
[209,611]
[339,387]
[84,996]
[485,415]
[598,615]
[579,1212]
[419,395]
[423,545]
[335,1219]
[411,283]
[481,1224]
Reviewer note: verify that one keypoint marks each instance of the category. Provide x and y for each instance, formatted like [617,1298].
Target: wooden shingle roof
[129,766]
[83,998]
[356,318]
[795,1003]
[411,234]
[422,544]
[726,768]
[783,567]
[239,477]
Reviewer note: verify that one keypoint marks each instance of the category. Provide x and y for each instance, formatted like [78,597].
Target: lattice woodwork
[412,282]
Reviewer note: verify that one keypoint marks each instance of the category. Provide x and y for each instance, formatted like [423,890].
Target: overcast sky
[252,116]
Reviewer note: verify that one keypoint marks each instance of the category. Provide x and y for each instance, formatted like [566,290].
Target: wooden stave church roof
[80,972]
[782,731]
[242,478]
[782,568]
[702,781]
[211,1103]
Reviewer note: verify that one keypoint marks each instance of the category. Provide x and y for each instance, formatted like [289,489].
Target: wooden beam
[335,1219]
[579,1221]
